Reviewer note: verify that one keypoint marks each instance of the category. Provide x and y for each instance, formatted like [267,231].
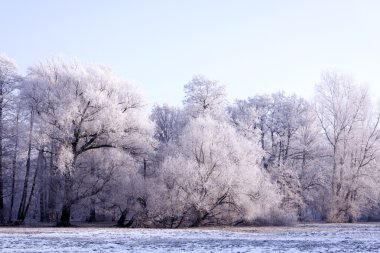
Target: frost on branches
[213,176]
[77,145]
[84,109]
[350,125]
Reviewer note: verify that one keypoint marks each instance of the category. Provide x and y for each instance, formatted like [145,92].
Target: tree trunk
[43,185]
[43,213]
[14,168]
[40,157]
[200,217]
[52,187]
[21,210]
[262,139]
[22,215]
[92,217]
[289,135]
[64,221]
[121,220]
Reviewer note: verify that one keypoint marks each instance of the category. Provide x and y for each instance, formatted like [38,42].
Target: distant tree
[204,97]
[284,127]
[169,122]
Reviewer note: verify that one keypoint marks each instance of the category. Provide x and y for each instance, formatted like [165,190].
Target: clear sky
[249,46]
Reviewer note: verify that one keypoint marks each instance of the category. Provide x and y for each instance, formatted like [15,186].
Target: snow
[300,238]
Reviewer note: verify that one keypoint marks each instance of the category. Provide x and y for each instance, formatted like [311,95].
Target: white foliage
[91,116]
[204,97]
[87,106]
[213,168]
[352,133]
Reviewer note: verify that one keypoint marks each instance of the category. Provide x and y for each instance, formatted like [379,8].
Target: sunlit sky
[250,46]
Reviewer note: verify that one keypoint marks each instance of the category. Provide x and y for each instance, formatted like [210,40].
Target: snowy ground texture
[300,238]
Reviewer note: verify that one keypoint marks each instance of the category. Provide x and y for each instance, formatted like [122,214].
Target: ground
[299,238]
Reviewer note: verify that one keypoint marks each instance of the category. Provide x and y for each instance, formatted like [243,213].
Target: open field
[299,238]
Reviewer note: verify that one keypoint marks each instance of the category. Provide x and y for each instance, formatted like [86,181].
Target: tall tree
[285,128]
[15,157]
[85,108]
[24,202]
[8,81]
[352,133]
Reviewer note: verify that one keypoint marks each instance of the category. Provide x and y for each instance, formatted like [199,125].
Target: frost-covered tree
[213,176]
[74,139]
[169,122]
[8,84]
[126,196]
[351,130]
[308,162]
[276,118]
[246,118]
[204,97]
[85,108]
[284,128]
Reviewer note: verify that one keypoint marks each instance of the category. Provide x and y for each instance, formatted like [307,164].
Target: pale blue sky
[249,46]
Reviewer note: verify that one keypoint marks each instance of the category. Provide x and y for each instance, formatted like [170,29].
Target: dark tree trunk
[200,217]
[22,207]
[129,223]
[262,139]
[121,221]
[52,187]
[43,213]
[64,221]
[14,168]
[123,218]
[92,217]
[289,135]
[32,189]
[43,186]
[196,222]
[21,217]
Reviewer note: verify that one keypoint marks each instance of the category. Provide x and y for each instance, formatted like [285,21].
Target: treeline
[76,143]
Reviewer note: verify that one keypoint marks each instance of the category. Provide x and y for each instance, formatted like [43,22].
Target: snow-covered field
[300,238]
